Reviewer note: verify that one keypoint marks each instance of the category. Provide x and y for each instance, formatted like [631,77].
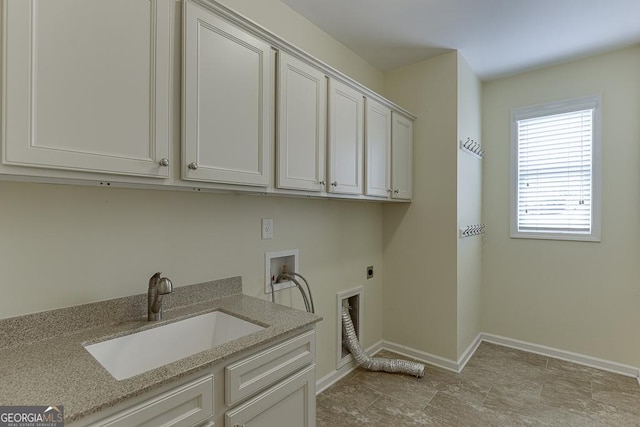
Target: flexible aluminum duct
[374,363]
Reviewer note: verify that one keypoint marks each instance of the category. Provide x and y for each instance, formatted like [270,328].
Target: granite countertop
[43,361]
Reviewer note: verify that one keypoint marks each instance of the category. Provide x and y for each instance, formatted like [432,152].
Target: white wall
[296,29]
[577,296]
[433,279]
[67,245]
[420,240]
[469,208]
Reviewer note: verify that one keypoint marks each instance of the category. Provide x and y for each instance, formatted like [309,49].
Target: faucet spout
[158,287]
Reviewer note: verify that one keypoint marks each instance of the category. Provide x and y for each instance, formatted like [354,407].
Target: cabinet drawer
[184,406]
[259,371]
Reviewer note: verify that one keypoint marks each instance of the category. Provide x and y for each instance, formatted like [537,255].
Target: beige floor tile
[338,416]
[349,394]
[499,386]
[398,413]
[621,392]
[561,368]
[515,395]
[414,393]
[452,412]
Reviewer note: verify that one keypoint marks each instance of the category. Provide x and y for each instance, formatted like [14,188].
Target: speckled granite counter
[43,361]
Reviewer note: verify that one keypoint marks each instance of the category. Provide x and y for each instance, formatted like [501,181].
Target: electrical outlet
[370,272]
[267,228]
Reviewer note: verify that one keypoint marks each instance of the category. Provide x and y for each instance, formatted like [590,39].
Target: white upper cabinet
[346,117]
[226,101]
[89,94]
[401,156]
[302,122]
[87,84]
[377,149]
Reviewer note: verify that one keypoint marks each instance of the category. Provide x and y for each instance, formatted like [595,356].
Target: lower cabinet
[188,405]
[274,386]
[289,403]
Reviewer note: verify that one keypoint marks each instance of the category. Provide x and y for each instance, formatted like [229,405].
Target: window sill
[593,237]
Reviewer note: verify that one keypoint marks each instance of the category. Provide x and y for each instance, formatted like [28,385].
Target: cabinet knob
[164,162]
[396,191]
[193,166]
[322,183]
[334,184]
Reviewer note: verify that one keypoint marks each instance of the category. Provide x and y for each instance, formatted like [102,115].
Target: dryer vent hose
[374,363]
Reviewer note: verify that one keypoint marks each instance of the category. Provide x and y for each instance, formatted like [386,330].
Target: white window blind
[555,171]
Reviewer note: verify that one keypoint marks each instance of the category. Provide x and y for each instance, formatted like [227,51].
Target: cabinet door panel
[301,125]
[401,155]
[378,149]
[346,117]
[290,403]
[87,85]
[227,101]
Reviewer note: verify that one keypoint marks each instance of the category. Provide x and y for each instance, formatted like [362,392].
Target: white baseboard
[581,359]
[334,376]
[431,359]
[451,365]
[376,348]
[468,353]
[457,366]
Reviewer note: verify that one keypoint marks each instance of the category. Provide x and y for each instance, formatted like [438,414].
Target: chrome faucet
[158,287]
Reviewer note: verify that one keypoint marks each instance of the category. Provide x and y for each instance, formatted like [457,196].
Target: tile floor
[499,386]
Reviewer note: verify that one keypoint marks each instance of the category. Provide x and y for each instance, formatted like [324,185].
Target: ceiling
[496,37]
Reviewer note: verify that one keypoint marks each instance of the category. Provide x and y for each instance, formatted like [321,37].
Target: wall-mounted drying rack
[471,230]
[472,147]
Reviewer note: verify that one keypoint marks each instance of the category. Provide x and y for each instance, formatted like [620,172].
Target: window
[555,170]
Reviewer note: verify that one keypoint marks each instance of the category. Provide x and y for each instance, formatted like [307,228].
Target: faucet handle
[165,286]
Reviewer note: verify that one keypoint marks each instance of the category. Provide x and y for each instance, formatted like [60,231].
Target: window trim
[550,108]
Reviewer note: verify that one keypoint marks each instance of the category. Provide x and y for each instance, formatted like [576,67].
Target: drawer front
[184,406]
[253,374]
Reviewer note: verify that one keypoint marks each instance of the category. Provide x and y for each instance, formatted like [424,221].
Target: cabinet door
[291,403]
[87,84]
[401,157]
[346,116]
[226,101]
[377,149]
[302,121]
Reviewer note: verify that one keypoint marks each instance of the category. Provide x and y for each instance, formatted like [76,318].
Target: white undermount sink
[143,351]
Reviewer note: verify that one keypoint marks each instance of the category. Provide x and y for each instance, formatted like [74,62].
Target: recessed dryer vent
[356,311]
